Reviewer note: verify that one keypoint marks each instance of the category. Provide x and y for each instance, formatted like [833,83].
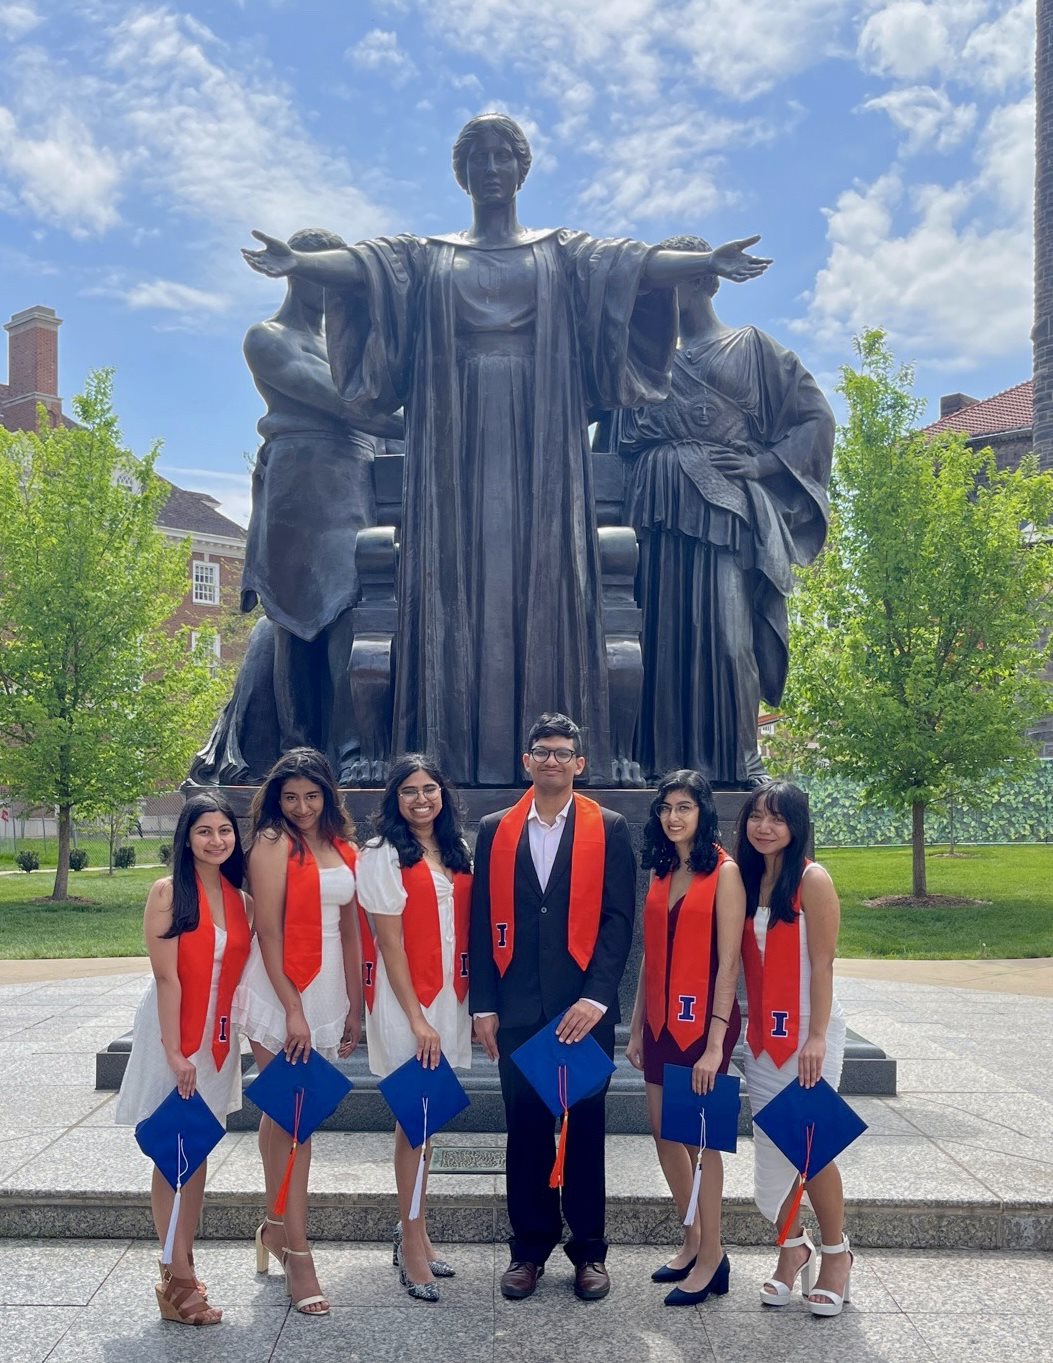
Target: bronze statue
[312,491]
[498,341]
[728,493]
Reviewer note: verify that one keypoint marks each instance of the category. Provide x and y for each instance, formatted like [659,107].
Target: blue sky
[884,151]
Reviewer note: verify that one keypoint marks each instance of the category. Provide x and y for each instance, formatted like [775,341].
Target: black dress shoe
[591,1282]
[520,1279]
[717,1287]
[668,1274]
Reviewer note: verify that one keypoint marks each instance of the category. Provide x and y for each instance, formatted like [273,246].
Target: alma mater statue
[498,342]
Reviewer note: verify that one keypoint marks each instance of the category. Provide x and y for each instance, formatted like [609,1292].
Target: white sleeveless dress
[148,1078]
[258,1011]
[389,1037]
[773,1174]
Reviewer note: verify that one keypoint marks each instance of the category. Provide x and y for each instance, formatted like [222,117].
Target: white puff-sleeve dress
[389,1037]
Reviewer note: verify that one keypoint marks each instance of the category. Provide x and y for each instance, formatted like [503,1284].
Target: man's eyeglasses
[562,755]
[412,792]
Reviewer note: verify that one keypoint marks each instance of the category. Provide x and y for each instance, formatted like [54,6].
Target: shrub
[123,858]
[165,853]
[27,861]
[78,859]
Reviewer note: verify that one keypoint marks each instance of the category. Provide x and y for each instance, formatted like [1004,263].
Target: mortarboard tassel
[173,1221]
[283,1191]
[795,1205]
[555,1179]
[418,1185]
[696,1185]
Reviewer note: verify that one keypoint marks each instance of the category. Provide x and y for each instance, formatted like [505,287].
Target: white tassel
[418,1186]
[173,1221]
[696,1185]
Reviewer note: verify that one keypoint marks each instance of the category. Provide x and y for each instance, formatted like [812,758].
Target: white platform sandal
[780,1294]
[834,1304]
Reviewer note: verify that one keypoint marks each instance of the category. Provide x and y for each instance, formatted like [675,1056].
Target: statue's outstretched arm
[665,269]
[278,259]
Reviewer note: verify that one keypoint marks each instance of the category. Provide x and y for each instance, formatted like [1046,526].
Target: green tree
[916,661]
[99,703]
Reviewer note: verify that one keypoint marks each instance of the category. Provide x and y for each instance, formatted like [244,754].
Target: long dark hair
[186,913]
[308,764]
[659,853]
[390,824]
[790,803]
[505,127]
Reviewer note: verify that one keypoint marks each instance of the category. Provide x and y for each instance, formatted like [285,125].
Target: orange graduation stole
[587,857]
[197,951]
[302,949]
[421,936]
[685,1011]
[773,986]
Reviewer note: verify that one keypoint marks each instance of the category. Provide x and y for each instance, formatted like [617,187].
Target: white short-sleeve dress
[148,1078]
[389,1037]
[258,1011]
[774,1175]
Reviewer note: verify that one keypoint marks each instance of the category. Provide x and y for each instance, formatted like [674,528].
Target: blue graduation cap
[562,1074]
[299,1098]
[423,1101]
[811,1126]
[178,1136]
[708,1120]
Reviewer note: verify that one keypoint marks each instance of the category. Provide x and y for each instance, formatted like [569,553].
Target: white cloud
[58,173]
[170,296]
[379,51]
[666,164]
[908,39]
[1002,53]
[16,20]
[927,117]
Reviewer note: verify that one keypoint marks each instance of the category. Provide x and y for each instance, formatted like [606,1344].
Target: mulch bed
[925,901]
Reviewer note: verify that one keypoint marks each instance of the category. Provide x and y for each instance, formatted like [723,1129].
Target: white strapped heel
[780,1294]
[834,1304]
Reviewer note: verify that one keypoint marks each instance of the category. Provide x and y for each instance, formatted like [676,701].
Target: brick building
[1005,421]
[217,543]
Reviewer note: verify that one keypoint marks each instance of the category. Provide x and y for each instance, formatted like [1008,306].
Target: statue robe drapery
[718,553]
[497,356]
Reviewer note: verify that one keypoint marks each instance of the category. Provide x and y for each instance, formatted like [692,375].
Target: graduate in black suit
[552,922]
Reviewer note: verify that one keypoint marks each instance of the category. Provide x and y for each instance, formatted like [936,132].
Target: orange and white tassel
[696,1185]
[418,1185]
[283,1190]
[173,1221]
[555,1179]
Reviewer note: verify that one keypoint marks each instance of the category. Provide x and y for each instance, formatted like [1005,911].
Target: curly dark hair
[790,803]
[659,853]
[186,913]
[390,824]
[308,764]
[505,127]
[315,239]
[685,242]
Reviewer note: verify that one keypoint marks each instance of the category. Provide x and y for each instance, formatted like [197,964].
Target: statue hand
[731,261]
[276,260]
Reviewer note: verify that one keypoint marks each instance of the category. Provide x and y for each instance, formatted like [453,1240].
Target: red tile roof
[1008,411]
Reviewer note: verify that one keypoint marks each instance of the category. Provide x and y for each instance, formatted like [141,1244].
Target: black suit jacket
[543,978]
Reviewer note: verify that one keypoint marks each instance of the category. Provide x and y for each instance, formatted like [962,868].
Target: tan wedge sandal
[173,1300]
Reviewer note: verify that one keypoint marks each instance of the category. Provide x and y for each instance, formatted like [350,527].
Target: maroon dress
[662,1050]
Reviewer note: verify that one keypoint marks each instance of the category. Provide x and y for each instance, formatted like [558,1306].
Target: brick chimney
[954,402]
[32,368]
[1042,333]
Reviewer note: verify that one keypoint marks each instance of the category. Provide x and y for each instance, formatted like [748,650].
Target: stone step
[867,1071]
[895,1199]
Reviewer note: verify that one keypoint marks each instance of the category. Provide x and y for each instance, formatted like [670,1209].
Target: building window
[206,582]
[214,645]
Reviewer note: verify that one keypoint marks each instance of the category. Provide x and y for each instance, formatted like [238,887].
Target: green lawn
[147,850]
[1018,920]
[1017,880]
[110,925]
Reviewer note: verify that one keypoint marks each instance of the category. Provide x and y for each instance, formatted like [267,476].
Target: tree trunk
[61,887]
[917,839]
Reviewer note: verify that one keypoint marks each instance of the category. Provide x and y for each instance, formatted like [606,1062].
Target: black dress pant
[535,1210]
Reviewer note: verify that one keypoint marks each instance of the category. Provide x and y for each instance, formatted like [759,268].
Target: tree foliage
[916,638]
[99,702]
